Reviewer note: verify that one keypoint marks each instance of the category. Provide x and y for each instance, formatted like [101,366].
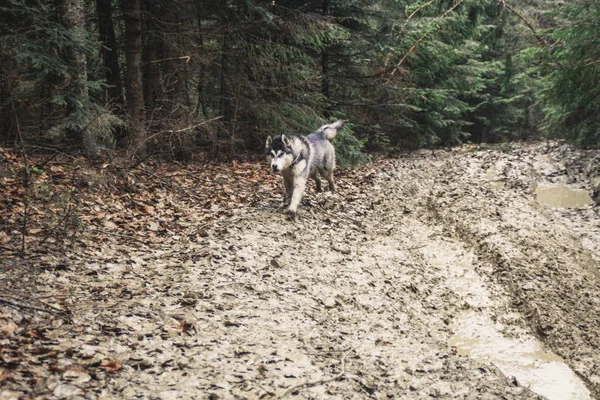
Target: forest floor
[429,275]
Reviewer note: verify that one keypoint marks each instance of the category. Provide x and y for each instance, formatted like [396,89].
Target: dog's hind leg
[317,179]
[329,176]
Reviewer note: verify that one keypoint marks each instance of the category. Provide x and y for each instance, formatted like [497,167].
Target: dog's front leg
[297,191]
[288,182]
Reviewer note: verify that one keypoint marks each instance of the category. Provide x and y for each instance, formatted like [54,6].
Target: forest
[211,79]
[145,251]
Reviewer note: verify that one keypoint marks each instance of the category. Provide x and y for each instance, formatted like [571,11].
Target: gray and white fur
[299,157]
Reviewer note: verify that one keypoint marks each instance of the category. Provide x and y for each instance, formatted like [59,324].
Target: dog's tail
[329,131]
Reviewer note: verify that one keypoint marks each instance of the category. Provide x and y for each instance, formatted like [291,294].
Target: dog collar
[297,159]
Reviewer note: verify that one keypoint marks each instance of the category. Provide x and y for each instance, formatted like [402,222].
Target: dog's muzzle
[275,168]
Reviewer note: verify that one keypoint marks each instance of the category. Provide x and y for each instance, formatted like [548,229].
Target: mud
[425,276]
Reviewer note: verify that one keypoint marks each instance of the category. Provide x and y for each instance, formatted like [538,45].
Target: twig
[186,58]
[293,388]
[26,179]
[182,129]
[43,164]
[21,305]
[67,212]
[387,58]
[418,9]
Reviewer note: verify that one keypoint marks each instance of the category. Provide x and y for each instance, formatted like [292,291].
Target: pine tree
[573,83]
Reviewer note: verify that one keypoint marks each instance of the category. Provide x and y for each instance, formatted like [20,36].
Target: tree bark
[173,66]
[134,81]
[109,52]
[151,73]
[201,104]
[73,16]
[72,13]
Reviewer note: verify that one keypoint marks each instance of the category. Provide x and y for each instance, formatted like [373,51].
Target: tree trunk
[201,104]
[173,66]
[72,13]
[7,133]
[325,63]
[151,73]
[134,82]
[73,16]
[109,52]
[225,101]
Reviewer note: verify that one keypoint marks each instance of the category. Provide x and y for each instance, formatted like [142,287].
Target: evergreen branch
[414,46]
[527,23]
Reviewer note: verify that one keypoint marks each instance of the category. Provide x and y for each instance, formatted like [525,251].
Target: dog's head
[279,152]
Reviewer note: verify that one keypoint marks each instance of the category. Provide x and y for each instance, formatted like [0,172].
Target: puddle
[543,372]
[561,196]
[477,336]
[495,180]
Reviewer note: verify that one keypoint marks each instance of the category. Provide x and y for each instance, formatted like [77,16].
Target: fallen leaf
[110,225]
[110,365]
[10,395]
[9,328]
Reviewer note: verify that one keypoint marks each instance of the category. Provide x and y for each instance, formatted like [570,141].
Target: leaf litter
[187,281]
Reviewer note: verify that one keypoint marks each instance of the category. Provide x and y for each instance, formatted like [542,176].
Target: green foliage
[94,125]
[43,46]
[407,73]
[572,93]
[348,149]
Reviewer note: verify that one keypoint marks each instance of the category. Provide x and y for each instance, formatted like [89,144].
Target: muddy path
[427,276]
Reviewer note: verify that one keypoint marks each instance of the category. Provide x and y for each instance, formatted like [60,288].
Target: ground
[428,275]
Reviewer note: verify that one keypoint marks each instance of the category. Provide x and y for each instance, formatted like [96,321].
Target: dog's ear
[285,141]
[269,141]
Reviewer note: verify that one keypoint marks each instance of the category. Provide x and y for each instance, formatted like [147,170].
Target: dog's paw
[292,214]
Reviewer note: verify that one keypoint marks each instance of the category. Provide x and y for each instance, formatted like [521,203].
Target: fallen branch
[16,304]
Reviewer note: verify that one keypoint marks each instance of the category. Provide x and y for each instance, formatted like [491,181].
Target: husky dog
[299,157]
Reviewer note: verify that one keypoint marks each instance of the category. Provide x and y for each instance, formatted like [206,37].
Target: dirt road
[427,276]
